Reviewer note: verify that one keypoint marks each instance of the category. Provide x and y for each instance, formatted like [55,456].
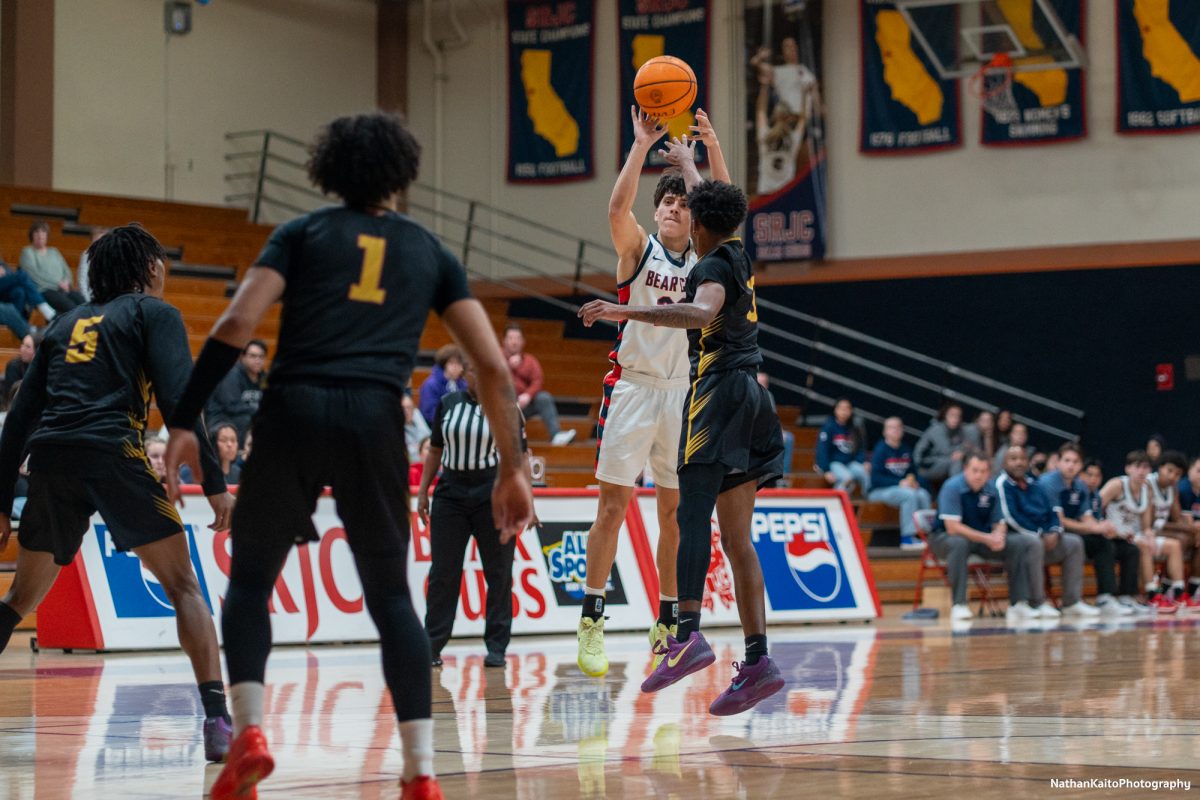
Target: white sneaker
[1081,609]
[564,437]
[1020,611]
[961,612]
[1048,611]
[1138,609]
[1111,607]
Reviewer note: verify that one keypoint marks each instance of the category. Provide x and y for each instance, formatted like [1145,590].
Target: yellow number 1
[753,315]
[367,289]
[84,338]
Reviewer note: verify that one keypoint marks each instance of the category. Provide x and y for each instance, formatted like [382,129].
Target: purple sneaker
[751,685]
[217,733]
[680,659]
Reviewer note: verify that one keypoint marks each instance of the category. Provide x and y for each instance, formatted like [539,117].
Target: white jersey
[653,351]
[1125,513]
[1164,500]
[793,83]
[777,167]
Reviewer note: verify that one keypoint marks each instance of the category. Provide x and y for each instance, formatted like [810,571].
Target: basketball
[665,87]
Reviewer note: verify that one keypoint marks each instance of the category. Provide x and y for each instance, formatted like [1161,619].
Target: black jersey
[359,291]
[89,385]
[730,341]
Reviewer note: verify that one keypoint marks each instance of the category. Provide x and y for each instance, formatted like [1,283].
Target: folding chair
[980,569]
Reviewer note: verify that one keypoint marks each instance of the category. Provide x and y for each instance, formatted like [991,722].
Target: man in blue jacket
[894,481]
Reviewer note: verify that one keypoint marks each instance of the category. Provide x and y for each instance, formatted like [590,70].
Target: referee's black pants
[459,511]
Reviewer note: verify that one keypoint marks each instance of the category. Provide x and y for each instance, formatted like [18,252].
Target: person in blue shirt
[1072,501]
[968,524]
[1029,511]
[1189,491]
[894,481]
[842,451]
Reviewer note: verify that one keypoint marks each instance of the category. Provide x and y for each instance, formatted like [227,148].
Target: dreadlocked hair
[364,159]
[120,262]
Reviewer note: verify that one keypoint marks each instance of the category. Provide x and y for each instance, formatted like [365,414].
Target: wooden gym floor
[882,710]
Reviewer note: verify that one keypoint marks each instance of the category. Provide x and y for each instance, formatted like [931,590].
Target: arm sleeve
[452,281]
[168,364]
[997,512]
[823,450]
[1052,492]
[429,396]
[27,262]
[436,439]
[280,251]
[949,502]
[534,369]
[222,401]
[22,418]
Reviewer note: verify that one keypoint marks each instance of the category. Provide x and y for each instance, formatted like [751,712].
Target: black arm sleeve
[436,438]
[168,359]
[22,418]
[224,399]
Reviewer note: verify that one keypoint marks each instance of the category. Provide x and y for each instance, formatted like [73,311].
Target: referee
[462,443]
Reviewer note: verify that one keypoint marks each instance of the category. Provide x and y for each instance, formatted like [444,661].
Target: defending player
[732,442]
[644,391]
[357,283]
[82,412]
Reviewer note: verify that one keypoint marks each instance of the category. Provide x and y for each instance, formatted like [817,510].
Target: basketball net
[993,85]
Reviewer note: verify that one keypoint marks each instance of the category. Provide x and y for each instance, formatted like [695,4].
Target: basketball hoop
[993,85]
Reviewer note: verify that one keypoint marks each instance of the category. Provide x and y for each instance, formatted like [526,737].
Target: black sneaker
[437,661]
[494,660]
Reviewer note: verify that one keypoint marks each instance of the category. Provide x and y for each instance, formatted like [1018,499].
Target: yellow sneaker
[592,659]
[658,640]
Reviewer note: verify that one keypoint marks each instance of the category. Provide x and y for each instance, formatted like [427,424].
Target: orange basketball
[665,87]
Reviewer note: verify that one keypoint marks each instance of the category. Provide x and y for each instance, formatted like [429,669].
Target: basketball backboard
[960,36]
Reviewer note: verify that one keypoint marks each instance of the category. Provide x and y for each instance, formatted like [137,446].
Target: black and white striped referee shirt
[461,431]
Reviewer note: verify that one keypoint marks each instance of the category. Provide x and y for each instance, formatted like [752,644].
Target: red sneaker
[1164,605]
[422,787]
[248,763]
[1187,602]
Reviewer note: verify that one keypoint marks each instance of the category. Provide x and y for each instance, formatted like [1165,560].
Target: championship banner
[550,48]
[649,28]
[785,157]
[1050,103]
[1158,66]
[814,568]
[905,107]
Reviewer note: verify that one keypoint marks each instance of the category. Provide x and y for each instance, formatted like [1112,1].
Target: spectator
[894,481]
[238,394]
[1028,511]
[1018,436]
[446,378]
[941,449]
[789,438]
[48,270]
[155,451]
[1189,491]
[1072,501]
[18,297]
[1004,423]
[528,380]
[969,524]
[244,456]
[1154,449]
[1169,520]
[85,287]
[982,433]
[14,371]
[417,468]
[842,450]
[1093,478]
[1038,463]
[416,430]
[224,439]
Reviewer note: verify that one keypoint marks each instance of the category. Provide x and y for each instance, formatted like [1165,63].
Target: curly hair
[364,159]
[120,262]
[719,207]
[671,182]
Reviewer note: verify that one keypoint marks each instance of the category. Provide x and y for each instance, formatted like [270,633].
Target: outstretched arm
[705,132]
[628,237]
[710,297]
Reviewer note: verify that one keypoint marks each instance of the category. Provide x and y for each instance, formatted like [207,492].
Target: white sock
[1152,587]
[416,744]
[47,312]
[246,705]
[593,592]
[665,598]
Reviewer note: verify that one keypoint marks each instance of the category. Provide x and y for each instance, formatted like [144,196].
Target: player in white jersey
[1128,505]
[1169,520]
[642,411]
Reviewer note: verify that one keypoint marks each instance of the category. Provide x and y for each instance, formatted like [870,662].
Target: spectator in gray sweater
[48,270]
[940,450]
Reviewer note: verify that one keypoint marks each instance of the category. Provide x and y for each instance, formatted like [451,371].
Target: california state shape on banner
[1158,66]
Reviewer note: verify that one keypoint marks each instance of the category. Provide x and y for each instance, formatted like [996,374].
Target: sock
[47,312]
[1152,590]
[1193,586]
[212,695]
[756,648]
[689,623]
[8,621]
[247,700]
[1177,588]
[416,744]
[668,610]
[593,603]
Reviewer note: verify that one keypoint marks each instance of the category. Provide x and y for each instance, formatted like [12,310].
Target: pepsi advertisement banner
[1050,103]
[906,108]
[1158,66]
[649,28]
[550,48]
[785,155]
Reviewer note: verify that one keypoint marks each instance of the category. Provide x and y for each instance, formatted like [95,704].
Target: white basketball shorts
[639,430]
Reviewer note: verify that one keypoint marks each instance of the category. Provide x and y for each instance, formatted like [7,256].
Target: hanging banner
[785,157]
[1158,66]
[649,28]
[1050,103]
[905,107]
[550,48]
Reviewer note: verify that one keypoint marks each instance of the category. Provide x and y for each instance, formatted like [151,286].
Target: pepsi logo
[808,553]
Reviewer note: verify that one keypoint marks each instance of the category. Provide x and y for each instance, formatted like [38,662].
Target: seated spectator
[1029,511]
[940,450]
[156,450]
[789,438]
[894,481]
[842,450]
[968,524]
[1004,423]
[1072,501]
[1093,478]
[1169,520]
[1155,446]
[14,371]
[1038,464]
[527,376]
[446,378]
[85,287]
[1189,491]
[417,468]
[48,270]
[982,433]
[225,442]
[18,298]
[416,430]
[1018,436]
[239,393]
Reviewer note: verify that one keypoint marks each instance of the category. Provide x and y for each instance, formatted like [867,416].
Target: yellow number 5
[367,289]
[753,315]
[84,338]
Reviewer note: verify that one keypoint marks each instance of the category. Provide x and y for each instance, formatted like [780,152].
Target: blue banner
[1158,66]
[905,107]
[550,46]
[1049,103]
[649,28]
